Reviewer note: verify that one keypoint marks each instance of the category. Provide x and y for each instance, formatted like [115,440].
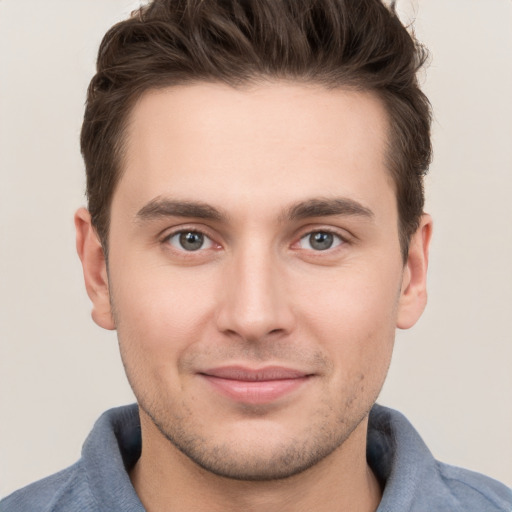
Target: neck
[167,480]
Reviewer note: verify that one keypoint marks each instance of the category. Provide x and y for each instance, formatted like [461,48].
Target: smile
[255,386]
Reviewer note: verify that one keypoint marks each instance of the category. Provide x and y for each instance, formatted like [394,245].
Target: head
[255,171]
[359,45]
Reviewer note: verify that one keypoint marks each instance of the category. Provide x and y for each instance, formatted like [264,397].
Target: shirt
[411,478]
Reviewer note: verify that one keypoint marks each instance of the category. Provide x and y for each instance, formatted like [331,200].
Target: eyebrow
[162,207]
[322,207]
[318,207]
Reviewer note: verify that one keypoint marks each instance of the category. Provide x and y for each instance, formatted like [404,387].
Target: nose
[255,301]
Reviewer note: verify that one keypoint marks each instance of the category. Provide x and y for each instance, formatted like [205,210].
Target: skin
[257,171]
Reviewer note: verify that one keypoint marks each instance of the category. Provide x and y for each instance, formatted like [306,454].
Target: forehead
[276,140]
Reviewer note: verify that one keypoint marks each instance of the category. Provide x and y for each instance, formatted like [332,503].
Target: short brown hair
[336,43]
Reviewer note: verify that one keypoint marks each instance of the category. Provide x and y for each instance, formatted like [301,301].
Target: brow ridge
[315,207]
[163,207]
[321,207]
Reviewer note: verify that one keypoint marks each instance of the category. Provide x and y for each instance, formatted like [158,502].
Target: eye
[320,241]
[190,241]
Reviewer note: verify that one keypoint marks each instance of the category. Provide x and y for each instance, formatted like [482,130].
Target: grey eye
[190,241]
[320,241]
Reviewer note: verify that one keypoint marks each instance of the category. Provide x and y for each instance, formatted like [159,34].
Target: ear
[91,255]
[413,294]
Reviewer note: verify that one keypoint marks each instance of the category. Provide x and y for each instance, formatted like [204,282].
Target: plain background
[452,373]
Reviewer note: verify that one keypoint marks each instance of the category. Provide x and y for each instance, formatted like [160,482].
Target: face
[255,275]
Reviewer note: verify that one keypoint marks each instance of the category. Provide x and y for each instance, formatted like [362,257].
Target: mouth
[255,386]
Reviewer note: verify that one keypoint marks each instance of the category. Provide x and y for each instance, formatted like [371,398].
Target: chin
[257,450]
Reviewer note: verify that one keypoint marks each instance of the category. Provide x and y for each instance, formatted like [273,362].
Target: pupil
[191,241]
[321,241]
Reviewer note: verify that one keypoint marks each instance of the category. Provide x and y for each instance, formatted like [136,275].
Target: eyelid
[207,242]
[345,237]
[167,234]
[337,240]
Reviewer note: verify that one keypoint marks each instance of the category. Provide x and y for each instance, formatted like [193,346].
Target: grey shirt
[411,478]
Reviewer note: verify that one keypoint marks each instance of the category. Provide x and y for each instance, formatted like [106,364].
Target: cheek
[354,316]
[351,300]
[159,317]
[160,310]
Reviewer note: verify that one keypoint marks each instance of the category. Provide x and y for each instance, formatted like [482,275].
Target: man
[255,234]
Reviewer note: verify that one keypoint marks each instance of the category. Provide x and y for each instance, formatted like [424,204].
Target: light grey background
[452,374]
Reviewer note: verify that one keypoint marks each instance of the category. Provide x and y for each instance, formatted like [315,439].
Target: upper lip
[254,374]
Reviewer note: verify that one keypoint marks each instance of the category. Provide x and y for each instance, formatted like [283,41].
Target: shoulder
[66,490]
[476,491]
[413,480]
[99,480]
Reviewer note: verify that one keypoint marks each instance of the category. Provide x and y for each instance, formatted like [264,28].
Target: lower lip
[255,392]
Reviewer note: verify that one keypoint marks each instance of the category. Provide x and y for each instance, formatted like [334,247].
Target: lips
[255,386]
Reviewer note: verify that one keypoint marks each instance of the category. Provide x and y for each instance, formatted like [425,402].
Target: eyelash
[184,231]
[166,240]
[341,239]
